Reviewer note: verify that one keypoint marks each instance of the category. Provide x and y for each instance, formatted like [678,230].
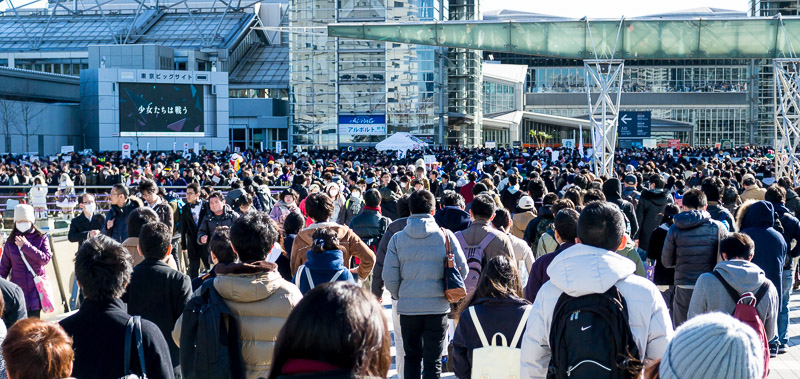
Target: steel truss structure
[604,76]
[787,117]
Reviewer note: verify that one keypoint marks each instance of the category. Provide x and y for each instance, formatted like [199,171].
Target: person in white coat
[592,266]
[38,196]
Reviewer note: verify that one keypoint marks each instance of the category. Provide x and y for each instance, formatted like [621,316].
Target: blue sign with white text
[634,124]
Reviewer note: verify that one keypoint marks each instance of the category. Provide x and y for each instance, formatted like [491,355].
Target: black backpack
[590,338]
[210,346]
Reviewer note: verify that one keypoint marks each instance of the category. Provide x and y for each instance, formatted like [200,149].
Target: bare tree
[27,125]
[8,120]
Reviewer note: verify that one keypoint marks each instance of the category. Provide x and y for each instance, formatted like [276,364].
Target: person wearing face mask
[26,239]
[334,192]
[88,223]
[352,206]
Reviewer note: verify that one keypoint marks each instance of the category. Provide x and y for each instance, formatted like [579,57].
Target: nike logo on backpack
[583,328]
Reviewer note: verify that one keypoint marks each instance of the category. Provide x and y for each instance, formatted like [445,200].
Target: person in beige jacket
[319,207]
[751,189]
[523,215]
[255,292]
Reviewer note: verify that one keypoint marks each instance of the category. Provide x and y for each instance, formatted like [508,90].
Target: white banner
[67,149]
[490,144]
[126,150]
[362,129]
[568,143]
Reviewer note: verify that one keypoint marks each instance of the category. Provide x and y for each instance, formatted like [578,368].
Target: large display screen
[160,110]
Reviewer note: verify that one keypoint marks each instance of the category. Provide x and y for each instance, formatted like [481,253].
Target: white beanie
[24,212]
[713,345]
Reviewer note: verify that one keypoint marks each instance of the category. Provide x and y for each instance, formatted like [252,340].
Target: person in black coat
[370,225]
[156,291]
[14,309]
[499,308]
[116,225]
[192,215]
[662,276]
[88,223]
[650,209]
[103,267]
[612,188]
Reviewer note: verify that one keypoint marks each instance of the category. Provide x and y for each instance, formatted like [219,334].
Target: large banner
[160,110]
[370,125]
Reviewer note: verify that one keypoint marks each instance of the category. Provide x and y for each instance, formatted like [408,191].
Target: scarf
[377,209]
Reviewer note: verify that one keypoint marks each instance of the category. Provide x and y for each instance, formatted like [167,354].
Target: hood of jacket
[780,209]
[512,190]
[612,188]
[546,212]
[691,219]
[388,195]
[656,196]
[247,282]
[742,275]
[421,226]
[326,260]
[583,269]
[755,214]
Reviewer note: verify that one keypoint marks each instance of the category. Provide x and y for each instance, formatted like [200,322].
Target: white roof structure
[515,73]
[402,142]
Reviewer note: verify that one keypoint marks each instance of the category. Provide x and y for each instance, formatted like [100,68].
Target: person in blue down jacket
[756,219]
[325,263]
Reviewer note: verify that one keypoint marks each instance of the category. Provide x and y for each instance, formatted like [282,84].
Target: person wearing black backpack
[592,303]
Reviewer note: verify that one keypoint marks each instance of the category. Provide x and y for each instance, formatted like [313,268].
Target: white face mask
[90,208]
[24,226]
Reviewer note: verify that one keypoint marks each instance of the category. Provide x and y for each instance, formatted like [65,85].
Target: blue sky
[608,8]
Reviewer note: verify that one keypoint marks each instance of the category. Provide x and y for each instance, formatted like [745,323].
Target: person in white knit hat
[26,239]
[713,345]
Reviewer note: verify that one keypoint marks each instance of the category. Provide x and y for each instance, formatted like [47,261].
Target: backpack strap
[732,292]
[137,327]
[478,327]
[486,241]
[297,275]
[127,351]
[338,274]
[521,326]
[762,291]
[461,240]
[308,276]
[447,248]
[133,328]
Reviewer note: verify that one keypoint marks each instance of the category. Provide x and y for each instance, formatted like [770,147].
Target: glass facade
[65,66]
[497,98]
[393,86]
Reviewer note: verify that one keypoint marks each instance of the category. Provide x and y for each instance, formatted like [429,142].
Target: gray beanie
[714,345]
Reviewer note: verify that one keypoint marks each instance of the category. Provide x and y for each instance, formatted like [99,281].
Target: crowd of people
[275,265]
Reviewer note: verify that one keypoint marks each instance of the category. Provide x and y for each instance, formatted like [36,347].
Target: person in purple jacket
[566,230]
[29,240]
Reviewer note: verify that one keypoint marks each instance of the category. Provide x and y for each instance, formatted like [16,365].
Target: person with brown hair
[36,349]
[498,305]
[337,330]
[325,262]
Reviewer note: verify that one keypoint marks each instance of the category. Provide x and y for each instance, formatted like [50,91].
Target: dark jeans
[34,314]
[680,305]
[194,263]
[423,342]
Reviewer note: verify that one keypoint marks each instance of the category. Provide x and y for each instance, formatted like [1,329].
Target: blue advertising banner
[362,124]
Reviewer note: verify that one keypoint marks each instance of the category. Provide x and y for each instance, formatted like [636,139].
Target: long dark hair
[499,280]
[337,323]
[325,239]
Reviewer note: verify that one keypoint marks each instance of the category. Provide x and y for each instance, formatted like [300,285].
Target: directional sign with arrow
[634,124]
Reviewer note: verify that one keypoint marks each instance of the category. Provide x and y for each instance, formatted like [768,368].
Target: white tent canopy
[401,142]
